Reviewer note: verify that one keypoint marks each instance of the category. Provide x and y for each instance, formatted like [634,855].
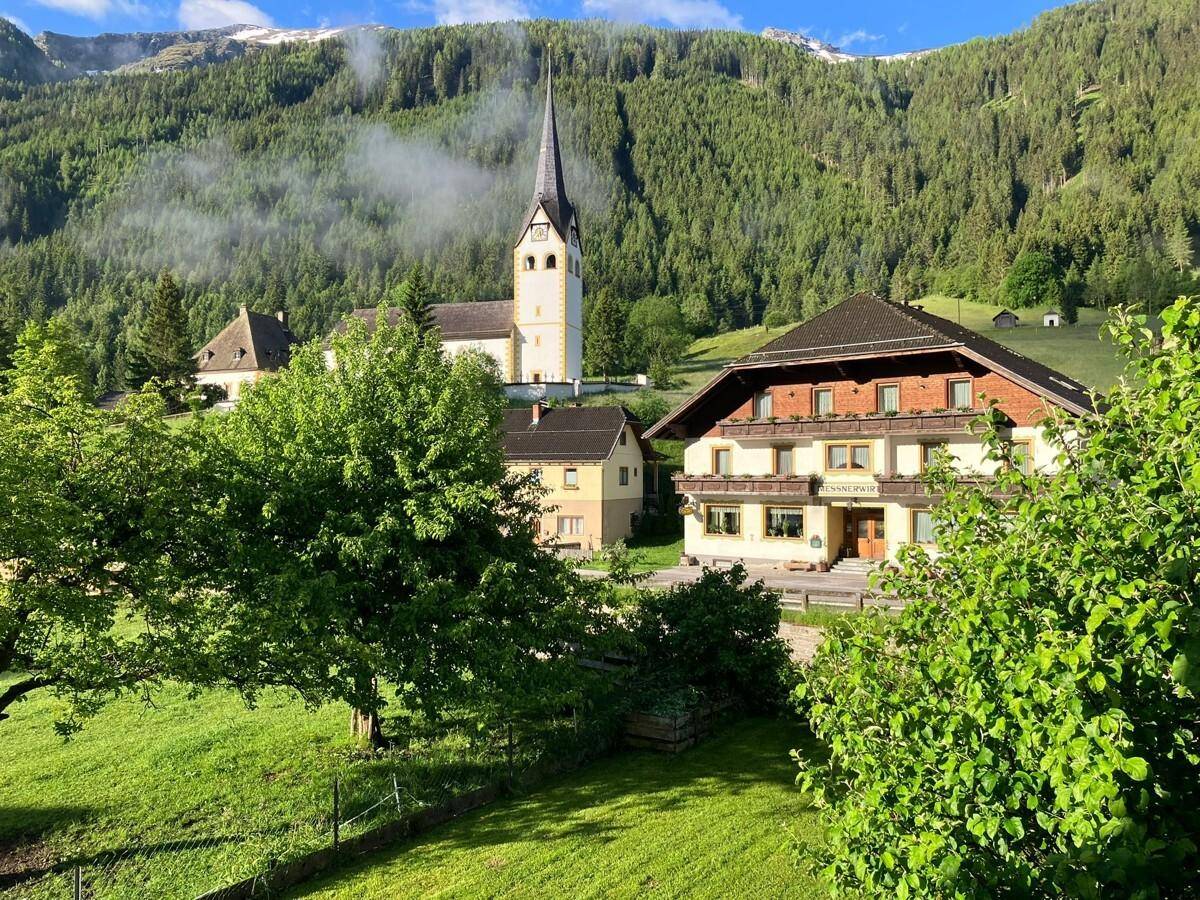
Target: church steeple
[549,189]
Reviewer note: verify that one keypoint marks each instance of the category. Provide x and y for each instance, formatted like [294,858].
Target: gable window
[959,391]
[921,527]
[1021,453]
[847,457]
[622,439]
[623,476]
[783,460]
[783,521]
[551,261]
[723,520]
[571,478]
[822,401]
[929,450]
[762,404]
[578,268]
[722,461]
[570,526]
[887,398]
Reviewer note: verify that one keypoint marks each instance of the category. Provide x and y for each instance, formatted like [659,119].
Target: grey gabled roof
[457,321]
[549,188]
[568,433]
[264,341]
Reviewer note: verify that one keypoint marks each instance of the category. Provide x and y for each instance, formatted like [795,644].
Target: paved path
[777,579]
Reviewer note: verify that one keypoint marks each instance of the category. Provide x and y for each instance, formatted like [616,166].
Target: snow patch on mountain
[831,54]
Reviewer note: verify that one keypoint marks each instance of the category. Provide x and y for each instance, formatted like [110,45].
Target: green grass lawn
[194,793]
[656,552]
[723,819]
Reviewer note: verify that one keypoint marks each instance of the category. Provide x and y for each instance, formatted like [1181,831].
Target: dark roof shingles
[264,341]
[582,433]
[866,325]
[457,321]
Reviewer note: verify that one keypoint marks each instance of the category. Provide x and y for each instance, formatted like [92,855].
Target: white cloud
[16,20]
[93,9]
[457,12]
[859,36]
[216,13]
[678,13]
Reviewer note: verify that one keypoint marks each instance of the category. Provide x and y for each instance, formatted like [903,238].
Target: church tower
[548,272]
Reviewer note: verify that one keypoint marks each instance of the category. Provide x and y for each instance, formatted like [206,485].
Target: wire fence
[356,802]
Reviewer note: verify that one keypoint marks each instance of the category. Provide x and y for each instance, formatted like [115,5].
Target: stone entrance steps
[852,566]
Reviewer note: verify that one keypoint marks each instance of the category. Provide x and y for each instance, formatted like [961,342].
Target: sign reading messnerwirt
[848,489]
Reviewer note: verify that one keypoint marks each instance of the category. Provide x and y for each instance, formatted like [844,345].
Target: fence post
[510,755]
[858,599]
[337,814]
[804,600]
[79,883]
[396,793]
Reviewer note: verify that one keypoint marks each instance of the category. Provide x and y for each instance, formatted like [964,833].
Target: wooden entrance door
[869,538]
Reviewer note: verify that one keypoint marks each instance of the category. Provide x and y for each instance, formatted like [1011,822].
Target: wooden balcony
[759,485]
[899,487]
[948,422]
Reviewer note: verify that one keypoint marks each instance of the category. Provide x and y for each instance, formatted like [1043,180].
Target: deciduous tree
[1029,725]
[376,538]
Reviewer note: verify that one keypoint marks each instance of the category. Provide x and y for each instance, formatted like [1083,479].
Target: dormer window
[551,261]
[530,264]
[238,354]
[208,355]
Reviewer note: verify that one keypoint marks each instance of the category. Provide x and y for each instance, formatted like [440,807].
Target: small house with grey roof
[598,470]
[245,350]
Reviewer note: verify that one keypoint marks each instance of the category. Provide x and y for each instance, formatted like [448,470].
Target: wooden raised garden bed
[672,734]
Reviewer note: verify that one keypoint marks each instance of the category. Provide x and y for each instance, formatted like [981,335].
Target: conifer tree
[161,349]
[1179,244]
[413,297]
[604,335]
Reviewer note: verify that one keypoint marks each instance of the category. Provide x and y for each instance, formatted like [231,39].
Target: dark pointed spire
[549,189]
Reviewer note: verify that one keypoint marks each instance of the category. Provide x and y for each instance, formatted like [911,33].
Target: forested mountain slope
[710,163]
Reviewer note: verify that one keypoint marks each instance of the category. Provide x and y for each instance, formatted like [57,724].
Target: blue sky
[860,26]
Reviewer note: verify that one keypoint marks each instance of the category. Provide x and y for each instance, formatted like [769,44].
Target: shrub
[718,634]
[1028,726]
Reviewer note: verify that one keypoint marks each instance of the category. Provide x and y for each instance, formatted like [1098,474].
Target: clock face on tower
[541,232]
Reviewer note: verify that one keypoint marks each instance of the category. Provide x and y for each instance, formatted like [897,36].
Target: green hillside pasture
[192,793]
[723,819]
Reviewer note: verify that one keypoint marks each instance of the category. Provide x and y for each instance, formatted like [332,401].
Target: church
[537,337]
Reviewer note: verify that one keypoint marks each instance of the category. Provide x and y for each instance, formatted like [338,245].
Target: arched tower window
[551,261]
[530,264]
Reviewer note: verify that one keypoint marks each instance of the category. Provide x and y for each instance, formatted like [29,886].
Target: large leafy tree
[96,530]
[1030,724]
[375,534]
[655,337]
[162,351]
[1033,280]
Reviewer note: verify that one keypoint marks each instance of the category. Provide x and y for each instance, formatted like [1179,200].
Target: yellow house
[593,463]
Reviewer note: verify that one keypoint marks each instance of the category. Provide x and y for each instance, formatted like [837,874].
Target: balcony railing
[901,486]
[788,485]
[947,422]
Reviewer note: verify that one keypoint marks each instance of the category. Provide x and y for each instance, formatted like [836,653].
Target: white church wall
[497,348]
